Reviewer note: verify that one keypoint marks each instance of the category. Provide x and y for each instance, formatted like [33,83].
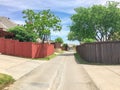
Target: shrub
[88,40]
[59,40]
[22,35]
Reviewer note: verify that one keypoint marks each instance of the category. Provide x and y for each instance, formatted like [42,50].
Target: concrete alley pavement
[16,66]
[60,73]
[105,77]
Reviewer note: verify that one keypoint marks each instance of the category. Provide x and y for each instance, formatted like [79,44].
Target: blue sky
[61,8]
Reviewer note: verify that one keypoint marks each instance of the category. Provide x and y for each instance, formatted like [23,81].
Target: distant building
[6,23]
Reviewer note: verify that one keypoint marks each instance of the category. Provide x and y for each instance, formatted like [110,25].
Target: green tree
[59,40]
[97,22]
[80,29]
[73,36]
[21,34]
[41,23]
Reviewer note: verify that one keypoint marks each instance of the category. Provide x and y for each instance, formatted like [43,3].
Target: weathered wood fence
[100,52]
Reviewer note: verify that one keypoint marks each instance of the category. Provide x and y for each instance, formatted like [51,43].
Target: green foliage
[80,28]
[22,35]
[41,23]
[59,40]
[72,36]
[97,22]
[88,40]
[65,45]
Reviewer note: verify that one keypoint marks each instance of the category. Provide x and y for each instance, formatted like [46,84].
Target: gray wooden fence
[100,52]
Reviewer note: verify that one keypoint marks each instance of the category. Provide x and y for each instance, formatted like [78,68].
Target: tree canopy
[41,23]
[59,40]
[98,22]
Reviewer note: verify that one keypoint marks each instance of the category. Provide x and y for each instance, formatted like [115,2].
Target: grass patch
[5,80]
[80,60]
[46,58]
[50,57]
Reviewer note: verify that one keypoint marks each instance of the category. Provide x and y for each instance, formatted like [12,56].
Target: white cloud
[66,21]
[19,22]
[58,5]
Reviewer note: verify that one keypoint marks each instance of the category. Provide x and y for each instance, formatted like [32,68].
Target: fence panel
[18,49]
[10,47]
[100,52]
[2,45]
[25,49]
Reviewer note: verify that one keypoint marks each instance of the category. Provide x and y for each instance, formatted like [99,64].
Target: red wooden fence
[25,49]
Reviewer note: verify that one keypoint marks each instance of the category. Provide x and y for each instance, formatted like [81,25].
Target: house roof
[6,23]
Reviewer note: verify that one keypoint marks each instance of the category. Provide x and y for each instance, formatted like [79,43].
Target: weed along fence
[100,52]
[25,49]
